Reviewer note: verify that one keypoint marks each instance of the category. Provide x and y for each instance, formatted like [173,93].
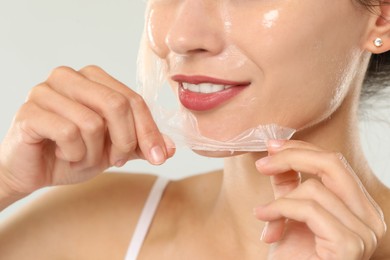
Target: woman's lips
[201,93]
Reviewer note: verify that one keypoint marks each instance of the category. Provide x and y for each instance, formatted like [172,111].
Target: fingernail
[264,233]
[276,143]
[263,161]
[120,163]
[157,155]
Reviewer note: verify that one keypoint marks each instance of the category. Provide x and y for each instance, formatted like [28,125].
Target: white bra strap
[146,218]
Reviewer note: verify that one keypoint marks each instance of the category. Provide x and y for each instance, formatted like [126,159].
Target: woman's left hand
[328,216]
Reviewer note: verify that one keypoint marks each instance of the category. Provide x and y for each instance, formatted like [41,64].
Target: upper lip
[199,79]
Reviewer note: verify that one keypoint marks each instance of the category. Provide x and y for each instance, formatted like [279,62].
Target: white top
[146,218]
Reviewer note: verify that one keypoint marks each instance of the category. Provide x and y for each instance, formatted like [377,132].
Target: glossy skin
[270,44]
[330,208]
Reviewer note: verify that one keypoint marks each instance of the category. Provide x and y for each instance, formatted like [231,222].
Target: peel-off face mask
[203,106]
[243,72]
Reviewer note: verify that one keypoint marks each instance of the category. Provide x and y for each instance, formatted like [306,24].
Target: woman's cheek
[306,90]
[156,29]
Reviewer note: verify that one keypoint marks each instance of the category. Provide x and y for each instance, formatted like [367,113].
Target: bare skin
[105,210]
[78,123]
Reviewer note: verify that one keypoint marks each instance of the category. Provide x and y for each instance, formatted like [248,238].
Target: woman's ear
[378,37]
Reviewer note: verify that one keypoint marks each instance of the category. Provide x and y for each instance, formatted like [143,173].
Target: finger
[170,150]
[37,125]
[273,231]
[99,76]
[280,145]
[274,146]
[328,231]
[369,226]
[170,146]
[331,168]
[282,184]
[364,226]
[150,140]
[285,182]
[91,125]
[110,104]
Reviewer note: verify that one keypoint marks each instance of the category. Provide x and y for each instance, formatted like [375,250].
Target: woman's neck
[244,188]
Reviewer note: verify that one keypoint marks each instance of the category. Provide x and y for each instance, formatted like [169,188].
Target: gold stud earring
[378,42]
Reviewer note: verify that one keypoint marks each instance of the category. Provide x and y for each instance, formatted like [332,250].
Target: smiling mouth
[201,93]
[199,80]
[205,88]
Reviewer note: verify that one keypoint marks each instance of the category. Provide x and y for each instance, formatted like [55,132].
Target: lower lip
[202,101]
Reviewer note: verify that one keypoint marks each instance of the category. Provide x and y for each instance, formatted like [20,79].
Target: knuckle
[91,70]
[353,246]
[137,99]
[381,229]
[68,133]
[23,117]
[23,124]
[61,72]
[92,125]
[371,242]
[38,90]
[26,108]
[117,103]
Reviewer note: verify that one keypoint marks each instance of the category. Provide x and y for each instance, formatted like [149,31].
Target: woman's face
[289,62]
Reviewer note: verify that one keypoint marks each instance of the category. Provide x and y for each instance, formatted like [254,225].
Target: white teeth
[193,88]
[204,87]
[216,88]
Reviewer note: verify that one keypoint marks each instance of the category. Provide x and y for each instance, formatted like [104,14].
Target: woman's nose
[197,27]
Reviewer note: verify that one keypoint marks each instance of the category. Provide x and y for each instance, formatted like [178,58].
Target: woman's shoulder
[96,216]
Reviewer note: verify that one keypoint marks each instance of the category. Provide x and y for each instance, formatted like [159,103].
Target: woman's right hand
[75,125]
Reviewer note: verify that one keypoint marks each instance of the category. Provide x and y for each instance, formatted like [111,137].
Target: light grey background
[39,35]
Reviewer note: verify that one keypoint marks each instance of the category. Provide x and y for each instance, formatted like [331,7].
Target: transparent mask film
[198,101]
